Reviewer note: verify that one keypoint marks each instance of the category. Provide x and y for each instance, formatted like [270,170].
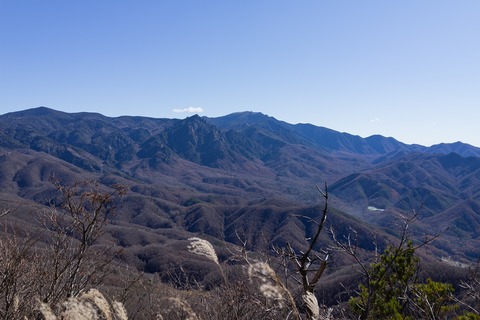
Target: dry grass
[203,248]
[90,305]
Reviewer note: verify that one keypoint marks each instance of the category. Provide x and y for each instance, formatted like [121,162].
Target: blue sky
[408,69]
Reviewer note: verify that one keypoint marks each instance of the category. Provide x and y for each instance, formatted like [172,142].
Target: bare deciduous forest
[62,271]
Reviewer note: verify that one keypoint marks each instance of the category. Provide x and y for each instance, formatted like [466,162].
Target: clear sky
[409,69]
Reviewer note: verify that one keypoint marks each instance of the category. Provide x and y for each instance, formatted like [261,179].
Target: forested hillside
[124,205]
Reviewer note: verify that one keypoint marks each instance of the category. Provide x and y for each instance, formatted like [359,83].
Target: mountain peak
[249,114]
[195,117]
[463,149]
[38,111]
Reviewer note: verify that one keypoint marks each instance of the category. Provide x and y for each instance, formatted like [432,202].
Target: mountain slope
[246,170]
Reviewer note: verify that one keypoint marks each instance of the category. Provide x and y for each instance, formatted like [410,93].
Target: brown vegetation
[71,263]
[245,187]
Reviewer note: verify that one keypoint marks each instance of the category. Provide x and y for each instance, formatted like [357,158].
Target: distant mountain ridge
[338,141]
[199,174]
[240,121]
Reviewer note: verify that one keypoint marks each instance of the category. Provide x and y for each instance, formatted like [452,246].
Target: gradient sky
[408,69]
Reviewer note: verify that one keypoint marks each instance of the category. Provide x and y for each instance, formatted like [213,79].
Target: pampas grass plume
[180,305]
[47,312]
[91,305]
[312,304]
[204,248]
[119,310]
[94,297]
[261,270]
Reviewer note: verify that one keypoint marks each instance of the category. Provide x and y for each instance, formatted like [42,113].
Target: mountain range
[242,174]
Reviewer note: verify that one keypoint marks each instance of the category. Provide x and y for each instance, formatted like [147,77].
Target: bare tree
[74,228]
[260,295]
[309,264]
[305,267]
[4,212]
[61,260]
[16,280]
[471,292]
